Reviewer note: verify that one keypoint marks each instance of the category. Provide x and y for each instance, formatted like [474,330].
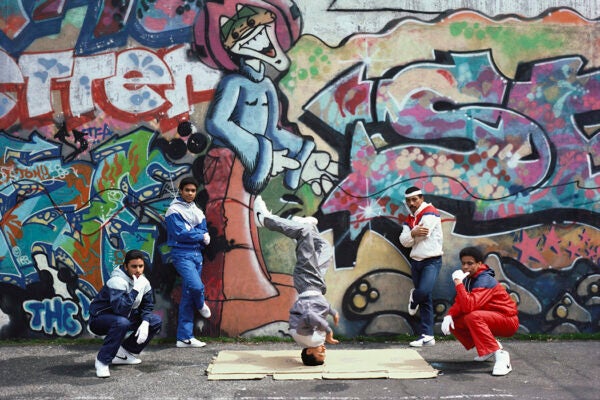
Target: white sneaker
[486,357]
[125,357]
[305,220]
[192,342]
[423,341]
[205,311]
[502,366]
[412,308]
[260,211]
[102,370]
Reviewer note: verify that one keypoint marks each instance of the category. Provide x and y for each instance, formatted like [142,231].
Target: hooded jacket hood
[483,278]
[120,280]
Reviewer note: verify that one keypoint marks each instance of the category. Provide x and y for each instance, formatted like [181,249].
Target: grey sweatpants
[313,252]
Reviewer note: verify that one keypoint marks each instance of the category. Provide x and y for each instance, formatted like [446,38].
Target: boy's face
[135,267]
[188,193]
[468,264]
[318,352]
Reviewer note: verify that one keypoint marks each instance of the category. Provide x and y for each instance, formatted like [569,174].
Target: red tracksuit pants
[479,329]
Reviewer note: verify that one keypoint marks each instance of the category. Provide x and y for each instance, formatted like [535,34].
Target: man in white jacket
[422,232]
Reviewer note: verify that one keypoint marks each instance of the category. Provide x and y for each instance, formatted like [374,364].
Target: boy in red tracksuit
[482,310]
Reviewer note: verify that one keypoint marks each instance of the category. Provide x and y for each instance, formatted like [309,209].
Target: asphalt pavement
[541,370]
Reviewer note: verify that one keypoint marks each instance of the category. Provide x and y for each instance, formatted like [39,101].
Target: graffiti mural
[105,106]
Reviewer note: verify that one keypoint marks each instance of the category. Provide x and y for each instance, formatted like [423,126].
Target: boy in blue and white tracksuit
[125,303]
[187,235]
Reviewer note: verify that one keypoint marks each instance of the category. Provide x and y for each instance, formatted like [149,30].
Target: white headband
[411,194]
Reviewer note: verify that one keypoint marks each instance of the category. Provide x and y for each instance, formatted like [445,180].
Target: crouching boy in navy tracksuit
[307,323]
[482,310]
[124,304]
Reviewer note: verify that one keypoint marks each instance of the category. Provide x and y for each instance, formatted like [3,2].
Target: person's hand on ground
[447,324]
[329,338]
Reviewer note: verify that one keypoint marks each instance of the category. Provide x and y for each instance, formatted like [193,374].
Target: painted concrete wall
[104,107]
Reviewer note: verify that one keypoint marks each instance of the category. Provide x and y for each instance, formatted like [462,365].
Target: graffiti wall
[106,105]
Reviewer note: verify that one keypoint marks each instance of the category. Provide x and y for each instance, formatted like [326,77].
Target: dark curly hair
[472,252]
[309,359]
[188,180]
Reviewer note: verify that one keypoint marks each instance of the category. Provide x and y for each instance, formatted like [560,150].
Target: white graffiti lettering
[131,82]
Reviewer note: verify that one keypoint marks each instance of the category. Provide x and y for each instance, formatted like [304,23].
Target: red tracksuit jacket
[482,292]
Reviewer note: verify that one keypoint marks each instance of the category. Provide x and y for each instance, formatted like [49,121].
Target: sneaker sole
[183,346]
[494,373]
[122,362]
[426,344]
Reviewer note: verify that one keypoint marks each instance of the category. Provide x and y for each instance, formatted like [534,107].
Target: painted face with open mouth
[251,33]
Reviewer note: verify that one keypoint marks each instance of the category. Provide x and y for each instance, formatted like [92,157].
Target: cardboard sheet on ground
[340,364]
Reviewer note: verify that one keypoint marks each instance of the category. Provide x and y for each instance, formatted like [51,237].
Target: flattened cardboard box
[340,364]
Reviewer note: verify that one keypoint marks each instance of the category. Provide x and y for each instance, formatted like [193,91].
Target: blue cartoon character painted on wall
[245,113]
